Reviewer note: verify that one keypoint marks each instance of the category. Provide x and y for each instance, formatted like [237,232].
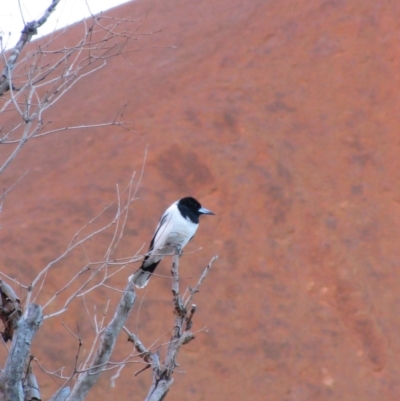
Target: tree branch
[11,379]
[29,30]
[152,358]
[61,395]
[88,378]
[10,310]
[30,385]
[181,335]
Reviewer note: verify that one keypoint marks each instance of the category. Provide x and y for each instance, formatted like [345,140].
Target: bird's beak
[203,210]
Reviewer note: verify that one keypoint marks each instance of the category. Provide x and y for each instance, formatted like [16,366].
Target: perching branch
[181,335]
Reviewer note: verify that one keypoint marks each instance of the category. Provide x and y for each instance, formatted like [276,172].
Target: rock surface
[283,119]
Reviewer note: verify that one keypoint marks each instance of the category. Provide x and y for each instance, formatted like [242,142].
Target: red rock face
[283,119]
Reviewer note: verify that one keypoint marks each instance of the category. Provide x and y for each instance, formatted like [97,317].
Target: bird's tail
[142,276]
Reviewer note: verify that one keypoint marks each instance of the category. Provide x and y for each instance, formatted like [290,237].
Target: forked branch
[26,328]
[181,334]
[29,30]
[89,377]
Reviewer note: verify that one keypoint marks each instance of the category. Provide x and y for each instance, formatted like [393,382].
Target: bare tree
[32,81]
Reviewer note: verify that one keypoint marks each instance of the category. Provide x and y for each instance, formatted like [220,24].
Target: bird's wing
[163,230]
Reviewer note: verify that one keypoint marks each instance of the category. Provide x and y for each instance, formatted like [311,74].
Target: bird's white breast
[175,230]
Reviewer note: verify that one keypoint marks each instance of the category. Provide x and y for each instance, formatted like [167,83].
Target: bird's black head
[192,209]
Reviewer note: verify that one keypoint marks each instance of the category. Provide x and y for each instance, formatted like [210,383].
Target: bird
[175,229]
